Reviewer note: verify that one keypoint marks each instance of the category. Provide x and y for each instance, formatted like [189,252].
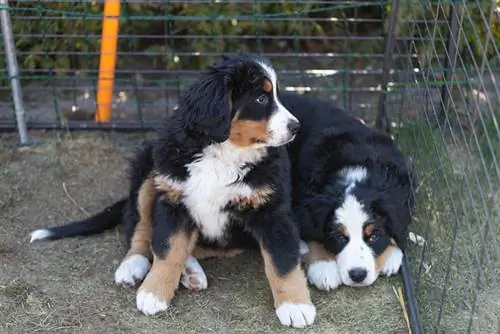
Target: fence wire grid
[427,71]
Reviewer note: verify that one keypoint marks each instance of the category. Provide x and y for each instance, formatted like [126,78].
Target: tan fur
[368,230]
[172,193]
[164,276]
[317,252]
[245,133]
[343,230]
[291,288]
[201,253]
[141,239]
[268,86]
[259,197]
[385,254]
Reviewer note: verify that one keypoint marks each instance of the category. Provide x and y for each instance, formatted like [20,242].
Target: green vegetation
[82,27]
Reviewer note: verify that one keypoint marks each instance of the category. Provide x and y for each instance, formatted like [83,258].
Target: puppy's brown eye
[373,238]
[262,99]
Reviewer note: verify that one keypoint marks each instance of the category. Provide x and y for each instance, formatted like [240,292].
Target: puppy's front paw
[392,263]
[149,303]
[133,268]
[296,315]
[193,276]
[324,275]
[155,293]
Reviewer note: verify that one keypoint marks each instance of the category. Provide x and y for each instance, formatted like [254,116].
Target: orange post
[107,61]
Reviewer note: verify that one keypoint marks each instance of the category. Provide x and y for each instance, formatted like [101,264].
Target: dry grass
[67,285]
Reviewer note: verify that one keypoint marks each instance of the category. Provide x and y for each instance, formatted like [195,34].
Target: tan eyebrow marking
[268,86]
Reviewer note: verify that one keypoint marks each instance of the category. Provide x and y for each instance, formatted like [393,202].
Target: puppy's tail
[108,218]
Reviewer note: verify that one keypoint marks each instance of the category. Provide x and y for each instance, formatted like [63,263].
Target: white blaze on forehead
[354,174]
[271,74]
[352,216]
[281,117]
[351,175]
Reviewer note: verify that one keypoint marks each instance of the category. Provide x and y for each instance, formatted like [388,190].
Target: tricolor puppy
[217,177]
[352,195]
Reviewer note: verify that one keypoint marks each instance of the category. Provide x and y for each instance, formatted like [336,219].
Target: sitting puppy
[352,195]
[216,177]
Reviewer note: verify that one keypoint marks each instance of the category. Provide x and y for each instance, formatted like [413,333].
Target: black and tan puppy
[217,177]
[353,195]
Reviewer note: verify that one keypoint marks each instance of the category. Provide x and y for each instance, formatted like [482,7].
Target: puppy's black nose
[358,275]
[293,127]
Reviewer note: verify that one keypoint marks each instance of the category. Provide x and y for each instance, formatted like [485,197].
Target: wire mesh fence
[445,105]
[427,71]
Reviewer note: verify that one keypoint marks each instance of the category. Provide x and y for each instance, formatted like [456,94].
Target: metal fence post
[450,59]
[381,121]
[10,52]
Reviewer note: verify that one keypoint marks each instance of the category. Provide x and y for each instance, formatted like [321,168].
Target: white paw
[149,304]
[324,275]
[133,268]
[303,248]
[193,276]
[296,315]
[392,263]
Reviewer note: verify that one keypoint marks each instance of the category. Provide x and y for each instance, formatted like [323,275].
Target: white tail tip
[40,234]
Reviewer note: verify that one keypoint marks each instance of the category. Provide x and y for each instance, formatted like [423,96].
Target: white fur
[193,269]
[303,247]
[296,315]
[416,239]
[324,275]
[356,254]
[351,175]
[211,184]
[40,235]
[392,263]
[149,304]
[132,268]
[281,117]
[351,214]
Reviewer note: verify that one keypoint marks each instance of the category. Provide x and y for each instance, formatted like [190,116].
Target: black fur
[204,118]
[330,140]
[108,218]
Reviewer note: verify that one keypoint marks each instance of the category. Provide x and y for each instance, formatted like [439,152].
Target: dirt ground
[67,285]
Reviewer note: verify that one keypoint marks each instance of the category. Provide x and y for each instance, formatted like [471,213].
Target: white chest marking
[212,184]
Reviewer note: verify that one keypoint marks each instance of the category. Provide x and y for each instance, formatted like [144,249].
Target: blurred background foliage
[78,26]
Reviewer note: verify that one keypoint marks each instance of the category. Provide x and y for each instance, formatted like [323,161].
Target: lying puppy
[217,177]
[352,195]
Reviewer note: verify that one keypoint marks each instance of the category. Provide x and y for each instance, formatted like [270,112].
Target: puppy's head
[237,100]
[363,226]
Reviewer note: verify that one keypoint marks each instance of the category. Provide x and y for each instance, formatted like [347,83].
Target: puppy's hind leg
[193,276]
[174,238]
[136,264]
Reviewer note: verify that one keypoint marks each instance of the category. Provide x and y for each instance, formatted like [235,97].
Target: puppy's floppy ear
[208,104]
[398,215]
[313,215]
[207,107]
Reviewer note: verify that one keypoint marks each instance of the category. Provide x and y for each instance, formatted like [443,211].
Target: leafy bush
[479,29]
[73,29]
[79,33]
